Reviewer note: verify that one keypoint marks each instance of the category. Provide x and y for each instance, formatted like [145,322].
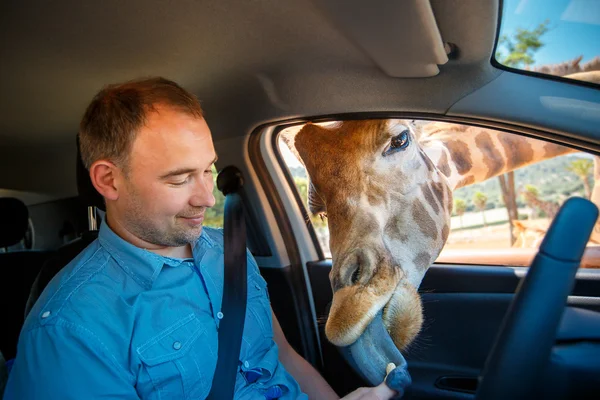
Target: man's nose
[203,194]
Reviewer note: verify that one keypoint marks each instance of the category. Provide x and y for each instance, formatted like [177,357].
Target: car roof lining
[250,64]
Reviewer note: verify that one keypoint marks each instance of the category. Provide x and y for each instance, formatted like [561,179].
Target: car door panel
[463,310]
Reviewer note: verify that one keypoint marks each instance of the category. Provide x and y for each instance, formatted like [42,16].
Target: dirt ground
[491,237]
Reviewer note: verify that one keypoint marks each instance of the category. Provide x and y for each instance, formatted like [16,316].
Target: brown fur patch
[430,198]
[448,197]
[427,160]
[391,229]
[466,181]
[553,150]
[438,191]
[423,220]
[518,150]
[443,165]
[491,155]
[445,233]
[422,261]
[461,156]
[376,191]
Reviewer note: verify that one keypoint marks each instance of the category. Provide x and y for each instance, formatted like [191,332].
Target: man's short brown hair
[118,111]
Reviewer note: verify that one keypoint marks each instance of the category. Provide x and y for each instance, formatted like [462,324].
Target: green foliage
[460,206]
[213,216]
[518,49]
[480,200]
[532,190]
[552,179]
[582,167]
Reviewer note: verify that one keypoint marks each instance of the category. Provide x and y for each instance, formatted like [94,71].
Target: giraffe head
[388,208]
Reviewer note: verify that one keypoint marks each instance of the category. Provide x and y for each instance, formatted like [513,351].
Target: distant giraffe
[549,208]
[569,67]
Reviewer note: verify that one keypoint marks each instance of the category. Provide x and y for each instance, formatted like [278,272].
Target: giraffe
[550,208]
[386,188]
[571,67]
[530,233]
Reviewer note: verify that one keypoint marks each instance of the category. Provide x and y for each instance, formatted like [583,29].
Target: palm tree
[460,206]
[582,167]
[480,201]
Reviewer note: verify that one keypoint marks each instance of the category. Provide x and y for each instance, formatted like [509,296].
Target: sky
[574,27]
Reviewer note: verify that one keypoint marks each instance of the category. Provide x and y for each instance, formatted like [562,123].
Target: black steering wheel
[522,349]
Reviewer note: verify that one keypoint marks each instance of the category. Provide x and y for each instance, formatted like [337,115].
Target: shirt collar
[142,265]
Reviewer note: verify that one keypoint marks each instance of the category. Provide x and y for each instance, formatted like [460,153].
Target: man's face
[168,183]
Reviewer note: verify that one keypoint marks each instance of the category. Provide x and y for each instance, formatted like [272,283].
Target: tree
[460,206]
[519,48]
[515,51]
[480,200]
[583,169]
[507,186]
[532,190]
[214,216]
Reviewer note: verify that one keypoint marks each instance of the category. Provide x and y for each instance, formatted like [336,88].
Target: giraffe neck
[468,155]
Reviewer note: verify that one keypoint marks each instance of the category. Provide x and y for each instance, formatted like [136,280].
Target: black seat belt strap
[231,326]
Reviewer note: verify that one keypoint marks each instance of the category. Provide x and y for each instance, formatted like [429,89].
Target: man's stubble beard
[173,234]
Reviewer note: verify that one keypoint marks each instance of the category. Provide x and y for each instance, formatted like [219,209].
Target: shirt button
[177,345]
[46,314]
[220,315]
[257,286]
[246,364]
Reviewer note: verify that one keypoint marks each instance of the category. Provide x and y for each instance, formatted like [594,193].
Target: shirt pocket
[179,360]
[258,325]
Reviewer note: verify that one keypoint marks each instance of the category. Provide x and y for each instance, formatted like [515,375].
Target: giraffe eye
[399,142]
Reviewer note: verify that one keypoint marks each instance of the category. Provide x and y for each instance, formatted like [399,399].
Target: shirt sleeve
[66,362]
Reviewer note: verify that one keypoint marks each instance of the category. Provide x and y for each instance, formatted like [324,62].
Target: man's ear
[103,175]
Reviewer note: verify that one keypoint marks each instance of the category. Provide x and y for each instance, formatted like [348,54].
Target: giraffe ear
[416,127]
[288,136]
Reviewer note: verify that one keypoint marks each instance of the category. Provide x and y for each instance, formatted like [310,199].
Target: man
[135,315]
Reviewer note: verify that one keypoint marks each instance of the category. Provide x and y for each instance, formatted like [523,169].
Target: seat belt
[231,326]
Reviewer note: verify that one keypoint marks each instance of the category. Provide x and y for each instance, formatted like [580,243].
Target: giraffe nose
[356,268]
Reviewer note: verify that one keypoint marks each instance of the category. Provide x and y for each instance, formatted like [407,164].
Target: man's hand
[381,392]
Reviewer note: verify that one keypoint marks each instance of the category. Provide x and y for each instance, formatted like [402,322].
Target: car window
[213,217]
[557,37]
[483,229]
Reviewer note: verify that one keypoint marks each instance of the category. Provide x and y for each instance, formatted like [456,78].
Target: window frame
[519,258]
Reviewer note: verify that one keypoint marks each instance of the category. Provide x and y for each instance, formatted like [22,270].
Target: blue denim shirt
[121,322]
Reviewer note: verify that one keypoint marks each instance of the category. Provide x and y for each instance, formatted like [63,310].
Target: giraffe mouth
[371,353]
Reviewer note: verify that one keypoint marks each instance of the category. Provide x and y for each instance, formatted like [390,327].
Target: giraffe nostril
[355,275]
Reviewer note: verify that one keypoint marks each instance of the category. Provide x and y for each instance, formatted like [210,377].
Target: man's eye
[181,183]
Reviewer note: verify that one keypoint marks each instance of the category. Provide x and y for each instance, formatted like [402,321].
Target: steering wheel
[514,367]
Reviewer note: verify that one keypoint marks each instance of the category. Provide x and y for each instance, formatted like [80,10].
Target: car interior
[265,66]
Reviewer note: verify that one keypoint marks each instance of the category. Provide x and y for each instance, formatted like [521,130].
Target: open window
[500,220]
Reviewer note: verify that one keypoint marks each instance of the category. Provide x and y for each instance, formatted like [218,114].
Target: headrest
[87,191]
[14,220]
